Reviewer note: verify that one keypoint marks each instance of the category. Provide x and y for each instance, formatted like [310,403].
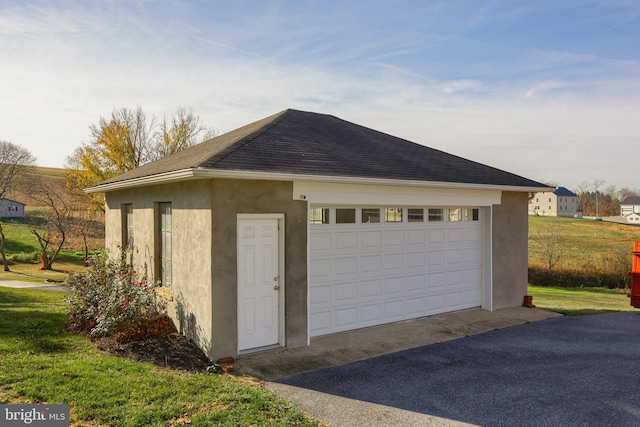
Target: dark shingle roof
[298,142]
[631,201]
[564,192]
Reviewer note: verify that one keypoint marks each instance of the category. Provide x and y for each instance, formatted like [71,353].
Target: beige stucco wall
[191,248]
[510,257]
[232,197]
[205,256]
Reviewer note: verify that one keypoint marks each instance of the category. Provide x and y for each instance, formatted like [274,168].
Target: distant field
[54,172]
[592,253]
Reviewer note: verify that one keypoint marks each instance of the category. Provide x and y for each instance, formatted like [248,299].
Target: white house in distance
[11,209]
[561,202]
[630,210]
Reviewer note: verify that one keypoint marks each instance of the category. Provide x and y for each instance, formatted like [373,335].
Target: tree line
[128,138]
[593,200]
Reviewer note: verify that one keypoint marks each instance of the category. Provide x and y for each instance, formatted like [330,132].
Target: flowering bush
[110,299]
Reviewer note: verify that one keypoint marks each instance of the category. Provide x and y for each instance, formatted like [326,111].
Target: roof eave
[202,173]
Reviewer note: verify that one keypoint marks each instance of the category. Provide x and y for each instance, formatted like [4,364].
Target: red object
[528,301]
[634,295]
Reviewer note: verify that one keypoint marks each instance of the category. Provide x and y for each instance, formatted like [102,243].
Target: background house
[11,209]
[559,202]
[303,224]
[630,209]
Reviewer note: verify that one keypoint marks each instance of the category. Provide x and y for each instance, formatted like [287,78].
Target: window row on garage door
[389,265]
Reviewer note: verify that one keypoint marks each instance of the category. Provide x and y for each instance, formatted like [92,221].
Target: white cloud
[64,68]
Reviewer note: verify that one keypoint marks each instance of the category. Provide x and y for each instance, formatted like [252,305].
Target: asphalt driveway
[564,371]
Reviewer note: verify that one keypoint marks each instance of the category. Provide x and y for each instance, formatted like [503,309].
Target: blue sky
[545,89]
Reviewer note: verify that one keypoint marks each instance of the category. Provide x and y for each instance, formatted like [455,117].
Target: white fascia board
[203,173]
[331,194]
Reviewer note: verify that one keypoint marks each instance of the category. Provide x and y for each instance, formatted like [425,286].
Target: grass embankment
[40,362]
[580,301]
[590,253]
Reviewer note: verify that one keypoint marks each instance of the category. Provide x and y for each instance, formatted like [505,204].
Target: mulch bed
[161,345]
[171,351]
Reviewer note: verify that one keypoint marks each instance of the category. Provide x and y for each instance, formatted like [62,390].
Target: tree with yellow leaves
[127,140]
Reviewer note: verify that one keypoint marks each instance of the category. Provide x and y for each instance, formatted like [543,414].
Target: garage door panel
[320,270]
[370,289]
[436,281]
[417,237]
[371,264]
[435,258]
[371,239]
[416,284]
[435,303]
[347,266]
[394,239]
[371,314]
[394,286]
[436,236]
[455,236]
[416,307]
[416,260]
[394,262]
[393,310]
[345,318]
[369,274]
[345,240]
[320,243]
[320,296]
[345,293]
[320,322]
[455,256]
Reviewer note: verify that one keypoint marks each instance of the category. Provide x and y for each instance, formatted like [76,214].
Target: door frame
[279,217]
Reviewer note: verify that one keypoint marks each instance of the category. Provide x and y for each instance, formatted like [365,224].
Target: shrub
[110,299]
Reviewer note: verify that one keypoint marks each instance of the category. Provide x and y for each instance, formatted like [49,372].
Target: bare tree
[14,160]
[180,132]
[53,235]
[551,244]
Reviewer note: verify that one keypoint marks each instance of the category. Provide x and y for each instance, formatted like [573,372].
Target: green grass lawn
[40,362]
[579,301]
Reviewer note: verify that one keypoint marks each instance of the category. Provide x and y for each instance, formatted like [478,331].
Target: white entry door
[259,283]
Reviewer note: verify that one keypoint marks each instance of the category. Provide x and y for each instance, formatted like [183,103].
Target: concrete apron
[351,346]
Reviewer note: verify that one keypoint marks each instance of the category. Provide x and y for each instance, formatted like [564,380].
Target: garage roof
[309,144]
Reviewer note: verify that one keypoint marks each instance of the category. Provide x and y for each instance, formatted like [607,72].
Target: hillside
[583,252]
[36,206]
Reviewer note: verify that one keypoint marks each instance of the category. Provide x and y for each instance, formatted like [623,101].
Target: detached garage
[303,224]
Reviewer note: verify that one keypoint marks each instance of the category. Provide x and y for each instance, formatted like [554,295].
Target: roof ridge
[278,117]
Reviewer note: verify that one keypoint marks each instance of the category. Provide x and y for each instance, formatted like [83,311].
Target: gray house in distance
[11,209]
[303,224]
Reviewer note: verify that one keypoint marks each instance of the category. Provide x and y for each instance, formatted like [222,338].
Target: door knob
[276,287]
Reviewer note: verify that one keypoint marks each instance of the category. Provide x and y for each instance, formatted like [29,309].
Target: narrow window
[345,216]
[393,215]
[415,215]
[127,225]
[370,215]
[165,230]
[454,214]
[472,214]
[319,216]
[435,215]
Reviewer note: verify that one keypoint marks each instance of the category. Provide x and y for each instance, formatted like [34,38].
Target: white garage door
[370,266]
